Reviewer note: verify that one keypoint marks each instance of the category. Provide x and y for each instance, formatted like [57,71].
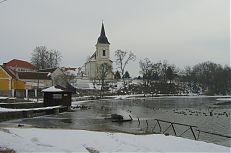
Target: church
[100,56]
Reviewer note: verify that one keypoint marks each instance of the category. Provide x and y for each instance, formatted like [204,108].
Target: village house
[56,74]
[20,65]
[63,76]
[35,82]
[10,85]
[19,78]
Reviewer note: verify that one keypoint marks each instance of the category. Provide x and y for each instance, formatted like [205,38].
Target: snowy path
[56,140]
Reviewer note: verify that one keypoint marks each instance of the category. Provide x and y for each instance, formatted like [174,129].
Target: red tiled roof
[20,64]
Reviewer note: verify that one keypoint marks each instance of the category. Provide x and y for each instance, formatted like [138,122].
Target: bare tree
[39,57]
[122,59]
[54,58]
[146,68]
[43,58]
[103,71]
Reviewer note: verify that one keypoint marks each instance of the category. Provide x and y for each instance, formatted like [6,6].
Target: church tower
[100,56]
[102,46]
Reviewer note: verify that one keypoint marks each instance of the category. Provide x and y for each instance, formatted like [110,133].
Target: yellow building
[9,82]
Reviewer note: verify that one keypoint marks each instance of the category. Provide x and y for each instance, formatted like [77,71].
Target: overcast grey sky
[184,32]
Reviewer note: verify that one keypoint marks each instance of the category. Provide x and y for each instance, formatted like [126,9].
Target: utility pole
[37,90]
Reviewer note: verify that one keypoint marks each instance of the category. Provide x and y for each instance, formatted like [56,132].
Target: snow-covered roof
[52,89]
[71,72]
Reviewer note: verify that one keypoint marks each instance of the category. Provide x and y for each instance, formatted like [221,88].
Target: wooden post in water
[198,135]
[147,123]
[138,121]
[130,117]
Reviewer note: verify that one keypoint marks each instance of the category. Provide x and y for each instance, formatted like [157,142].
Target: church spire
[102,38]
[102,34]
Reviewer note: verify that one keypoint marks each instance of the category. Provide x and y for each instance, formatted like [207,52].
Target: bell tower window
[104,53]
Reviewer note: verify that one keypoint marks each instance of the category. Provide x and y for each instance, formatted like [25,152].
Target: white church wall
[99,51]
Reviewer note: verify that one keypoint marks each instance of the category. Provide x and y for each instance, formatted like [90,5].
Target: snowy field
[56,140]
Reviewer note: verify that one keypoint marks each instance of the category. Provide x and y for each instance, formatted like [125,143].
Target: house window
[104,53]
[57,96]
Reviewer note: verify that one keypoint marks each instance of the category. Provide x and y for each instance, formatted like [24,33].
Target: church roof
[102,38]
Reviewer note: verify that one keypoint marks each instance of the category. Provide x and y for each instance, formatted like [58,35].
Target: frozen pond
[198,111]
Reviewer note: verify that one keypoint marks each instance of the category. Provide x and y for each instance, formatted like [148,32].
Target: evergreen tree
[126,75]
[170,74]
[117,75]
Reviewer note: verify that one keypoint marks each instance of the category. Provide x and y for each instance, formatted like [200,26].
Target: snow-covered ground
[56,140]
[3,98]
[16,110]
[224,99]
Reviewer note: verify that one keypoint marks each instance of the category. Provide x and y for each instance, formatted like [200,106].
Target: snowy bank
[56,140]
[224,99]
[30,109]
[3,98]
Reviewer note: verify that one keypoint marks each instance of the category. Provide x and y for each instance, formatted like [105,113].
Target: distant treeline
[204,78]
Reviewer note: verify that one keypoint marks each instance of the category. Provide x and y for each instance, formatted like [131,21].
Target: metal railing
[193,129]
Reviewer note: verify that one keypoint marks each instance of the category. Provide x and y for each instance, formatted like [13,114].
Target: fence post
[173,129]
[154,127]
[193,133]
[138,121]
[198,135]
[147,123]
[159,125]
